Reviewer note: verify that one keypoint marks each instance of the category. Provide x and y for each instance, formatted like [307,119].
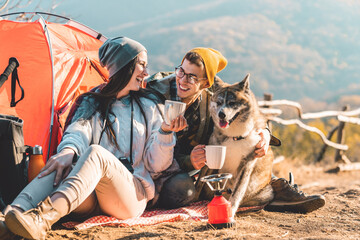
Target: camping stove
[219,209]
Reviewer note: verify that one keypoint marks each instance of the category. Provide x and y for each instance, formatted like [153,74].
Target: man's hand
[263,145]
[61,163]
[176,125]
[198,157]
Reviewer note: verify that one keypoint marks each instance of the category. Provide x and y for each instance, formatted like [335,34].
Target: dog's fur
[235,113]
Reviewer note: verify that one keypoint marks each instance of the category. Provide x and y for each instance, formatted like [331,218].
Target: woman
[125,124]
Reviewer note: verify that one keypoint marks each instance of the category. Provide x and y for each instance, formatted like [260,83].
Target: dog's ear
[218,83]
[244,85]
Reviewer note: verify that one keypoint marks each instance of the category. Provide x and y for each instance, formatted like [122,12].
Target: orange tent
[57,62]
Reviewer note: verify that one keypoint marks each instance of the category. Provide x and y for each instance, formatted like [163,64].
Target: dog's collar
[238,138]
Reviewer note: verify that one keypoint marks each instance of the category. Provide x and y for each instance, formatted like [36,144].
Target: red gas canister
[219,209]
[219,212]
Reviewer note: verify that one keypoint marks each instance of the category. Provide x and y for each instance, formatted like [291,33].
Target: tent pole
[35,13]
[43,23]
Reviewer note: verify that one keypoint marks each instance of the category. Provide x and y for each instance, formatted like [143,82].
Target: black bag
[13,159]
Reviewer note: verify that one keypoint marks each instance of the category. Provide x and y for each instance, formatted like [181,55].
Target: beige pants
[99,184]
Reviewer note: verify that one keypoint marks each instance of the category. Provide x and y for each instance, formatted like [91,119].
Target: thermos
[36,162]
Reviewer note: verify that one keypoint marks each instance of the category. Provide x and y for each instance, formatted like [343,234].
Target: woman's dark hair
[107,96]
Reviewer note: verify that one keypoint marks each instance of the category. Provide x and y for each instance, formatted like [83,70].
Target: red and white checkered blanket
[196,211]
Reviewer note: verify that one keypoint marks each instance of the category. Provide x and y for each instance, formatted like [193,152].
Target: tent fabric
[74,53]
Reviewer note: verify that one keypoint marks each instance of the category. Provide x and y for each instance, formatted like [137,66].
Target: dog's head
[230,102]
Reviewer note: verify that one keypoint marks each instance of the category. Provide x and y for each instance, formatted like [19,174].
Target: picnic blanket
[196,211]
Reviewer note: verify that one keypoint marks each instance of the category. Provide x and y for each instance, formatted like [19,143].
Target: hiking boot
[5,233]
[288,198]
[33,224]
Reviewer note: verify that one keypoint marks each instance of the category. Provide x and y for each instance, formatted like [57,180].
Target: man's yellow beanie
[214,61]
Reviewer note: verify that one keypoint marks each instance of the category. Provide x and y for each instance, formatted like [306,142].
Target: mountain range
[294,50]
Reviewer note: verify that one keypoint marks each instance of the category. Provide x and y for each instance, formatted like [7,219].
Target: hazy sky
[295,49]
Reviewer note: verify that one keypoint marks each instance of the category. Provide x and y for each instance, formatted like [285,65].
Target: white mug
[173,109]
[215,156]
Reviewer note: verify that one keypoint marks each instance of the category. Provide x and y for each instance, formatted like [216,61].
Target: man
[192,85]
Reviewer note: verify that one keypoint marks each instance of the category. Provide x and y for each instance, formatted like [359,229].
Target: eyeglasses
[190,78]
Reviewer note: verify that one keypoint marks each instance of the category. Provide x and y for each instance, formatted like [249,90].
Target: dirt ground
[338,219]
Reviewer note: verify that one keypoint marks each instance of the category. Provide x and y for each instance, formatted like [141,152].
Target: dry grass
[338,219]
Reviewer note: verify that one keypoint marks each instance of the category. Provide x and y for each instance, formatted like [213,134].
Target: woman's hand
[198,157]
[176,125]
[61,163]
[263,145]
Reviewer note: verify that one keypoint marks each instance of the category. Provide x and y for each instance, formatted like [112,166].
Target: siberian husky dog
[237,120]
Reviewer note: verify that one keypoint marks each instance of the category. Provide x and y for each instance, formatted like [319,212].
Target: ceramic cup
[215,156]
[173,109]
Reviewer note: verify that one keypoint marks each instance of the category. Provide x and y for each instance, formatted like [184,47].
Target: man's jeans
[177,191]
